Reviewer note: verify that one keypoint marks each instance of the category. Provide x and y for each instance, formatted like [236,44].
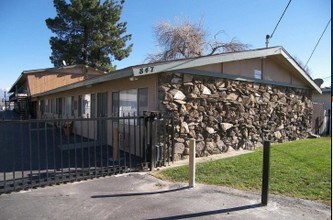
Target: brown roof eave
[123,73]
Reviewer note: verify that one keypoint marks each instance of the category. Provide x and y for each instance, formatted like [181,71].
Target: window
[53,106]
[46,105]
[84,106]
[115,104]
[68,106]
[41,106]
[72,106]
[79,109]
[59,106]
[142,100]
[93,105]
[128,102]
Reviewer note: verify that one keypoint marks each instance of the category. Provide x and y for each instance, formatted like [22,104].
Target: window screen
[142,100]
[128,102]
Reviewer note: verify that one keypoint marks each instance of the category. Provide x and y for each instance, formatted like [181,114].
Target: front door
[101,114]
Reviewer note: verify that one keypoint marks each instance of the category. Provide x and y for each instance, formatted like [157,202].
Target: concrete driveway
[141,196]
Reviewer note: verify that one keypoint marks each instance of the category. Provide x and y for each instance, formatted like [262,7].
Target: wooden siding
[45,81]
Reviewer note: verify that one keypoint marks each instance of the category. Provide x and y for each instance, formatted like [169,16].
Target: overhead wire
[318,41]
[280,19]
[268,37]
[326,77]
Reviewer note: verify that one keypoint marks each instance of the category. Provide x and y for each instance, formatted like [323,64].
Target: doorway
[101,113]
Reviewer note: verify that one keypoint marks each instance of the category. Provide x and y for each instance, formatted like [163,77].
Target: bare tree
[306,69]
[188,40]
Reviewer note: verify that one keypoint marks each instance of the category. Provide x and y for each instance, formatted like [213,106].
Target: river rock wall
[223,114]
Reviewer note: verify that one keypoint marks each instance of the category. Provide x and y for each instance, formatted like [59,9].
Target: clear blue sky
[24,38]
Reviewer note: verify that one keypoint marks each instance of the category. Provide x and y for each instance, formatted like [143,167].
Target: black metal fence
[44,152]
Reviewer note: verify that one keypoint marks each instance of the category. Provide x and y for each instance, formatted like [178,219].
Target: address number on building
[149,69]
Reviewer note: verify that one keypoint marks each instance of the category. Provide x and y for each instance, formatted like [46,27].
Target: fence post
[115,144]
[151,145]
[265,173]
[192,163]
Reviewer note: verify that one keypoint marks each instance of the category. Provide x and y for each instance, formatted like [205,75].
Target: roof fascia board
[12,89]
[26,72]
[51,69]
[201,61]
[236,77]
[96,80]
[301,71]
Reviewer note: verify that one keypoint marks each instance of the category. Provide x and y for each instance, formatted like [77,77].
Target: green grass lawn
[299,169]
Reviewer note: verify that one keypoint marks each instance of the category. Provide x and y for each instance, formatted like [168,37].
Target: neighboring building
[33,82]
[321,120]
[2,104]
[324,98]
[228,100]
[3,96]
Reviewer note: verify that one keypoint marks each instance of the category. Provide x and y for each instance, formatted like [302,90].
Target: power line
[280,19]
[270,36]
[318,42]
[326,77]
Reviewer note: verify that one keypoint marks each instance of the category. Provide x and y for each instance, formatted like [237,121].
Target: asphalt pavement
[141,196]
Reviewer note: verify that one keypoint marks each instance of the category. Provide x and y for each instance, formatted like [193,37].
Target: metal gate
[37,153]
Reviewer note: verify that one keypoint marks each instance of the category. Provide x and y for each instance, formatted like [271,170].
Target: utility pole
[5,93]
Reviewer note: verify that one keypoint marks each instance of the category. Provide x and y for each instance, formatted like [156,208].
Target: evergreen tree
[88,32]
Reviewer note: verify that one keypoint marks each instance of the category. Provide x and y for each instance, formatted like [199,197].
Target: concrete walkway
[230,153]
[141,196]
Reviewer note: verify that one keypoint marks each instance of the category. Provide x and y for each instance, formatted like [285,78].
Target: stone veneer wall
[222,114]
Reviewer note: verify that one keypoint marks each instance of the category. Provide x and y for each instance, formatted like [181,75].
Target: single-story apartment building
[229,100]
[32,82]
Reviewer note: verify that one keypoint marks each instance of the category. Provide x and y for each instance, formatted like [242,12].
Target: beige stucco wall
[274,72]
[149,82]
[244,68]
[270,68]
[217,68]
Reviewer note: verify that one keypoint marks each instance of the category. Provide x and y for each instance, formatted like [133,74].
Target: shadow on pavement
[214,212]
[139,194]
